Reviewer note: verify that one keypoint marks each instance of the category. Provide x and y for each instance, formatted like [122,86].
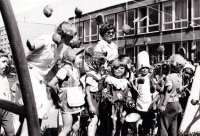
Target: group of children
[115,99]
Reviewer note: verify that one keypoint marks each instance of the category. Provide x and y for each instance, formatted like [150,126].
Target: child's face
[3,64]
[78,60]
[188,73]
[144,71]
[119,71]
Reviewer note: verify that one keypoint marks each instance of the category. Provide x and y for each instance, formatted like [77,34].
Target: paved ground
[52,117]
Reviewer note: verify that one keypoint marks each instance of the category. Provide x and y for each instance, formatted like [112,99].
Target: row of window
[6,49]
[174,16]
[4,41]
[2,32]
[170,48]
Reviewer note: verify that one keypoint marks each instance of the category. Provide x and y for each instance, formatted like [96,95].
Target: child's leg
[114,119]
[76,125]
[24,131]
[92,127]
[122,117]
[67,124]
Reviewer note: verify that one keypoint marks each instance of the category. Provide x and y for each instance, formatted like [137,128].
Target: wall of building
[173,23]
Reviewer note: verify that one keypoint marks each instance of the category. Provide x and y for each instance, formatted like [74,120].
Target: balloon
[56,38]
[99,19]
[194,47]
[126,28]
[78,12]
[194,102]
[182,51]
[161,49]
[75,43]
[48,10]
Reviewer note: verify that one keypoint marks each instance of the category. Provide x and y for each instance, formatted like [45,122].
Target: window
[148,19]
[196,12]
[168,51]
[175,14]
[181,13]
[197,53]
[153,18]
[94,29]
[87,31]
[120,23]
[79,27]
[110,19]
[90,31]
[142,14]
[153,55]
[130,19]
[141,48]
[130,52]
[121,51]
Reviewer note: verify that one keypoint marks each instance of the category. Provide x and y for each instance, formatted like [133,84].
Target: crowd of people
[101,92]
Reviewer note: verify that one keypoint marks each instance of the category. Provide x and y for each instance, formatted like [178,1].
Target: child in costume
[187,75]
[70,91]
[170,106]
[94,88]
[144,97]
[118,91]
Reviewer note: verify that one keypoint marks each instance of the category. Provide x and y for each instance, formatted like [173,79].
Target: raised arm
[34,45]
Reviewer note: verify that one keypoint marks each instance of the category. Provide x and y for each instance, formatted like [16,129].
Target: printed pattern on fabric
[72,81]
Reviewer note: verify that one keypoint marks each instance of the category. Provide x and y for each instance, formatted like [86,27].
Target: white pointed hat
[143,60]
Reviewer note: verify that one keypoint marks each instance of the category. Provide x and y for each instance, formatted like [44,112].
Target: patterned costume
[70,82]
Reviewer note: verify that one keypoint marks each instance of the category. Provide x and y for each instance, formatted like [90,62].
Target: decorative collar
[118,83]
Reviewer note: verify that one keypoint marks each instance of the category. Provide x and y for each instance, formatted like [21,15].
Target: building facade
[27,30]
[172,23]
[4,42]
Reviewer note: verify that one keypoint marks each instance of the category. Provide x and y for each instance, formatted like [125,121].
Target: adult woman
[105,45]
[42,55]
[107,32]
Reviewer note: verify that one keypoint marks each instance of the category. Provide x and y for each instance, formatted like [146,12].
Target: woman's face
[78,60]
[108,36]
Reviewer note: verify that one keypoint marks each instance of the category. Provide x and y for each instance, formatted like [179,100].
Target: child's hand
[111,100]
[92,109]
[162,108]
[20,101]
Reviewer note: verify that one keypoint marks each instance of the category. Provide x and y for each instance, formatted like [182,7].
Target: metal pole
[21,66]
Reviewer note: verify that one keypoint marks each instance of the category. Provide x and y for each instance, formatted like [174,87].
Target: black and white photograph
[99,68]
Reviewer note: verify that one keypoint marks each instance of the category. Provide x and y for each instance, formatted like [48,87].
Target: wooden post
[12,107]
[21,66]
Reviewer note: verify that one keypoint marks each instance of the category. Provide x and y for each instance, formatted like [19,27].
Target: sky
[32,10]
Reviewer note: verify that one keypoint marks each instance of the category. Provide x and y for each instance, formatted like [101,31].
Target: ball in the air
[48,10]
[194,102]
